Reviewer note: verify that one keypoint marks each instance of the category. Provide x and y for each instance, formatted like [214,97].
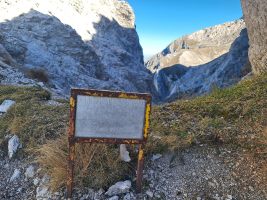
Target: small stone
[198,198]
[100,191]
[42,192]
[36,181]
[229,197]
[251,188]
[97,195]
[211,184]
[84,197]
[16,175]
[156,157]
[13,145]
[19,190]
[41,84]
[217,197]
[30,172]
[45,180]
[119,188]
[129,196]
[149,194]
[114,198]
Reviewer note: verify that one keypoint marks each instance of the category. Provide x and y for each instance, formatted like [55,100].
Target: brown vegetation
[38,74]
[96,165]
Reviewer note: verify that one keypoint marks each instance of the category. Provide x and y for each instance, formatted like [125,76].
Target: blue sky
[159,22]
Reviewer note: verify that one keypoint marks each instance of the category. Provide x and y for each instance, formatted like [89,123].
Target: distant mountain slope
[198,48]
[94,45]
[195,64]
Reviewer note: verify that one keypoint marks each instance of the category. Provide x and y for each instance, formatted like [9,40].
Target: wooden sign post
[108,117]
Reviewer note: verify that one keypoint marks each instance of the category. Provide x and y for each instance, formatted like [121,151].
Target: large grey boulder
[255,15]
[94,46]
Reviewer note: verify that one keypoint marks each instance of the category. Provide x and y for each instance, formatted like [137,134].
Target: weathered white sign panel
[109,117]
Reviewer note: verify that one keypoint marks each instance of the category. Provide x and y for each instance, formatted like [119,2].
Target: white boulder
[149,194]
[15,175]
[119,188]
[30,172]
[156,157]
[36,181]
[13,145]
[114,198]
[6,105]
[42,192]
[124,154]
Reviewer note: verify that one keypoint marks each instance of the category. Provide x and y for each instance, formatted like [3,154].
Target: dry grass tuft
[97,165]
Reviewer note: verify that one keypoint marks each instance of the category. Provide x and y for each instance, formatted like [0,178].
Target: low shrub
[38,74]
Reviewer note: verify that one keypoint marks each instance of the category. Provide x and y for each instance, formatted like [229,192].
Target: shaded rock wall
[255,15]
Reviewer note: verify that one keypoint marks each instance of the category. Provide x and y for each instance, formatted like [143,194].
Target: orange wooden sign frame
[73,140]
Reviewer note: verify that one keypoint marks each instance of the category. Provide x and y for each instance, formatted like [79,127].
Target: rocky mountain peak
[95,45]
[198,48]
[194,64]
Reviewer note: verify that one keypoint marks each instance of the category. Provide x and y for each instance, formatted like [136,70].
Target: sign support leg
[70,169]
[140,167]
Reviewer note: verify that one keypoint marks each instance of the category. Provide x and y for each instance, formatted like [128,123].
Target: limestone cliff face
[79,43]
[198,48]
[255,15]
[196,63]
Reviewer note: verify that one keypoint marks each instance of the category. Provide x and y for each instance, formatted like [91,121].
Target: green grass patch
[41,129]
[31,118]
[235,115]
